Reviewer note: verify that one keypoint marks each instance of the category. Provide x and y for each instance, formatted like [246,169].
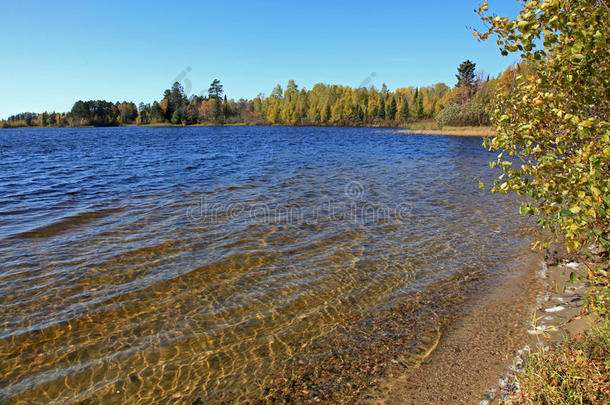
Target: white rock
[544,270]
[555,309]
[519,362]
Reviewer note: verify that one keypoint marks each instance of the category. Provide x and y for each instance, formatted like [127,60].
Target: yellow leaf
[575,209]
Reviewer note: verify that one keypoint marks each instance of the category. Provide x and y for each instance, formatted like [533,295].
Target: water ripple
[145,265]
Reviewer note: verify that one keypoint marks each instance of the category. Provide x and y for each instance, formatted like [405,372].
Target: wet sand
[479,354]
[474,352]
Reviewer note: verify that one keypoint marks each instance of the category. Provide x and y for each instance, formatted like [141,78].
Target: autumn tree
[128,112]
[403,114]
[552,124]
[291,90]
[322,104]
[325,113]
[277,92]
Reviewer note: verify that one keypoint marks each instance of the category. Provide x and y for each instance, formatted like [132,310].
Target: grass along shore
[453,131]
[571,364]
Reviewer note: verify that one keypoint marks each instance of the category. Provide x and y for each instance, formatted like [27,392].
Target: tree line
[467,103]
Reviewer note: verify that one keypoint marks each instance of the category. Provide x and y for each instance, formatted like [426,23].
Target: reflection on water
[158,265]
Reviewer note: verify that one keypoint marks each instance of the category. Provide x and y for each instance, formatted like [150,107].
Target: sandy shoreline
[470,131]
[475,350]
[476,359]
[464,359]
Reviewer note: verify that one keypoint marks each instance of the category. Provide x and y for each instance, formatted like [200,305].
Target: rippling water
[151,265]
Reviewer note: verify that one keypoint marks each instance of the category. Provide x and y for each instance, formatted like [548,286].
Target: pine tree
[465,74]
[176,118]
[390,113]
[466,80]
[44,119]
[291,89]
[415,104]
[215,91]
[357,114]
[381,110]
[384,90]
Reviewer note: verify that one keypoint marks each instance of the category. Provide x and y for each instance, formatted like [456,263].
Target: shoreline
[476,349]
[478,357]
[448,131]
[479,132]
[461,333]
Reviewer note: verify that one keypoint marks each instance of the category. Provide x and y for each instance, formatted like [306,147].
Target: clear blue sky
[56,52]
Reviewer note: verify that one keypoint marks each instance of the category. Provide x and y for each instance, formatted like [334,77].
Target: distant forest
[466,104]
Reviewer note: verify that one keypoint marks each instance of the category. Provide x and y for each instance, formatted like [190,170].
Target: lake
[211,264]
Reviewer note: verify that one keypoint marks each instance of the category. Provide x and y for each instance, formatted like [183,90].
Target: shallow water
[150,265]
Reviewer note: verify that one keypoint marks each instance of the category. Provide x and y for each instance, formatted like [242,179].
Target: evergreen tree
[384,90]
[176,118]
[381,110]
[420,107]
[357,114]
[390,113]
[465,74]
[466,80]
[215,91]
[416,104]
[177,97]
[156,113]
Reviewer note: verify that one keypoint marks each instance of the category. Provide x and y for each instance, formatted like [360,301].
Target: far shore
[424,127]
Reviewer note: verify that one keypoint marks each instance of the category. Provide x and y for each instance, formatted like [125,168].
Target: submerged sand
[479,355]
